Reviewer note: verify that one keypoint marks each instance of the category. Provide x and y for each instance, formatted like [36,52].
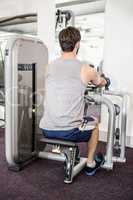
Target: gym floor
[43,180]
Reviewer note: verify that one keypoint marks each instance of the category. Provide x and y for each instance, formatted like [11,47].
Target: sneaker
[99,159]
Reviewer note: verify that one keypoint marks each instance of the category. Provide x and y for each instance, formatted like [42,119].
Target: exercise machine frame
[19,153]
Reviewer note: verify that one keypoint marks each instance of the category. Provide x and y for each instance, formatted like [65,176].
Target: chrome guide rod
[123,128]
[124,97]
[111,128]
[79,166]
[52,156]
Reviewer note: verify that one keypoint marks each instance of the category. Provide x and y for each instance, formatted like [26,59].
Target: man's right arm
[89,74]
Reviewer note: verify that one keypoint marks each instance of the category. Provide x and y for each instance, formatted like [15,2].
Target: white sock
[92,164]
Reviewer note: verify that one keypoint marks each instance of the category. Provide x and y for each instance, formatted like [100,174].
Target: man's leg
[92,144]
[93,162]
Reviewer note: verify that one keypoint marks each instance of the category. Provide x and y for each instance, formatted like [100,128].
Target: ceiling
[29,26]
[61,1]
[26,23]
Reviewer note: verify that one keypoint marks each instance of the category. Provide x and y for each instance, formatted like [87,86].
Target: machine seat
[58,142]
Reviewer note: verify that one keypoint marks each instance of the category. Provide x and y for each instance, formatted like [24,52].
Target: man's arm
[89,74]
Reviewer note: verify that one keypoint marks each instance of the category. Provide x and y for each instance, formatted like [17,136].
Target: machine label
[25,67]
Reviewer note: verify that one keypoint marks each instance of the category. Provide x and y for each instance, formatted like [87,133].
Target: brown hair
[68,38]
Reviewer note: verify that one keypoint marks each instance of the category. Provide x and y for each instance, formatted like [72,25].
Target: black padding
[58,142]
[117,109]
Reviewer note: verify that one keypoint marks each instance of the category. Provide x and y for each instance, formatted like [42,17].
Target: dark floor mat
[43,180]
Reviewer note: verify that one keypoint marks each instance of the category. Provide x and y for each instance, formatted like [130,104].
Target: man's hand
[103,82]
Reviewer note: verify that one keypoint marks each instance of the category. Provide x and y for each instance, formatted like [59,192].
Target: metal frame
[123,124]
[67,155]
[111,128]
[110,158]
[11,127]
[71,172]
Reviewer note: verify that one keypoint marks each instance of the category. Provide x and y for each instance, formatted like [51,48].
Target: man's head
[69,39]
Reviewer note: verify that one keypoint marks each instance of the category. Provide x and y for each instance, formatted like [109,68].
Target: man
[66,81]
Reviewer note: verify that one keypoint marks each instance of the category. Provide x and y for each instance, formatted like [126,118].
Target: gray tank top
[64,96]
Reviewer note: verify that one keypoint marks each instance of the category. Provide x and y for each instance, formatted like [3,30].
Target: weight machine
[25,61]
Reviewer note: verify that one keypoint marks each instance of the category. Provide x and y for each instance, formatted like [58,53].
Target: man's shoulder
[87,63]
[81,62]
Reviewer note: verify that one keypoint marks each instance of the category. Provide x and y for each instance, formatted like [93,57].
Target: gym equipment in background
[25,61]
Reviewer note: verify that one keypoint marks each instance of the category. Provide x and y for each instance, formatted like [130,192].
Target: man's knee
[96,129]
[97,125]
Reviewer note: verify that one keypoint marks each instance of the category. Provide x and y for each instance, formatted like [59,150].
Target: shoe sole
[93,173]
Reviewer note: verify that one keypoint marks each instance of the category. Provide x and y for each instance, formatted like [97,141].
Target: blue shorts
[74,135]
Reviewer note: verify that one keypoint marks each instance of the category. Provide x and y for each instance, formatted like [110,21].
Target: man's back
[65,85]
[64,95]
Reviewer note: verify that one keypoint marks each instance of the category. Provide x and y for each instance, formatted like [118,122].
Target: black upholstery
[58,142]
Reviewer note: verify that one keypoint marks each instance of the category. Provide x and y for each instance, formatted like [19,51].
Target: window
[92,33]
